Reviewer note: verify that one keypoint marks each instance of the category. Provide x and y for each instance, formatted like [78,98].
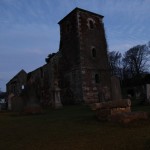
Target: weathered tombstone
[115,88]
[32,101]
[148,92]
[11,95]
[56,96]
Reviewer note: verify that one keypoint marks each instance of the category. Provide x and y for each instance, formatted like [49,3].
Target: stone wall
[84,57]
[81,65]
[70,69]
[17,83]
[93,65]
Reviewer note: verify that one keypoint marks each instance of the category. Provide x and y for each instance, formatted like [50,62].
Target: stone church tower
[84,70]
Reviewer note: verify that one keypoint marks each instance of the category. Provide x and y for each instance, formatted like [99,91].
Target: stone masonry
[80,66]
[84,55]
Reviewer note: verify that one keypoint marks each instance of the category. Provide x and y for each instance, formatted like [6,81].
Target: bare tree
[115,61]
[135,61]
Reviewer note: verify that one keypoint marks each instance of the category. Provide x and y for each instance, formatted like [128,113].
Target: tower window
[93,52]
[91,23]
[97,79]
[22,87]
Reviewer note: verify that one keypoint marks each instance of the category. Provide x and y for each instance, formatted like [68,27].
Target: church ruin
[80,67]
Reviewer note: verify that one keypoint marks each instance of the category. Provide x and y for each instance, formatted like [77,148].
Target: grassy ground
[71,128]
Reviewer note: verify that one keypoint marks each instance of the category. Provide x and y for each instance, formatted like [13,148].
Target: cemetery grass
[71,128]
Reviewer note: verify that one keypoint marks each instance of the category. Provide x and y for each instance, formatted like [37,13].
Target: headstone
[10,96]
[56,96]
[115,88]
[148,92]
[32,105]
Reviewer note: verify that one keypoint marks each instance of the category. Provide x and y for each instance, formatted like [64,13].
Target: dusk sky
[29,29]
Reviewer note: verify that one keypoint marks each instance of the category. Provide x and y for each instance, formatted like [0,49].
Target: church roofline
[22,70]
[79,9]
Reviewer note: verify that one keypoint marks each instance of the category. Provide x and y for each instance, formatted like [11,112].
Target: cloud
[19,38]
[132,27]
[29,30]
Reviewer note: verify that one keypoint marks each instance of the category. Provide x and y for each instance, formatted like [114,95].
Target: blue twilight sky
[29,29]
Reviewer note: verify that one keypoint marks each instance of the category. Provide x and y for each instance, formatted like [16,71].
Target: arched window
[97,79]
[22,87]
[93,52]
[91,24]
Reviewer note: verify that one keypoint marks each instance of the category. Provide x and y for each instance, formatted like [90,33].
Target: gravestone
[56,96]
[10,96]
[32,105]
[148,92]
[115,89]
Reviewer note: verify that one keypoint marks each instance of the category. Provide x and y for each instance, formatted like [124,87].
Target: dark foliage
[115,59]
[135,61]
[47,60]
